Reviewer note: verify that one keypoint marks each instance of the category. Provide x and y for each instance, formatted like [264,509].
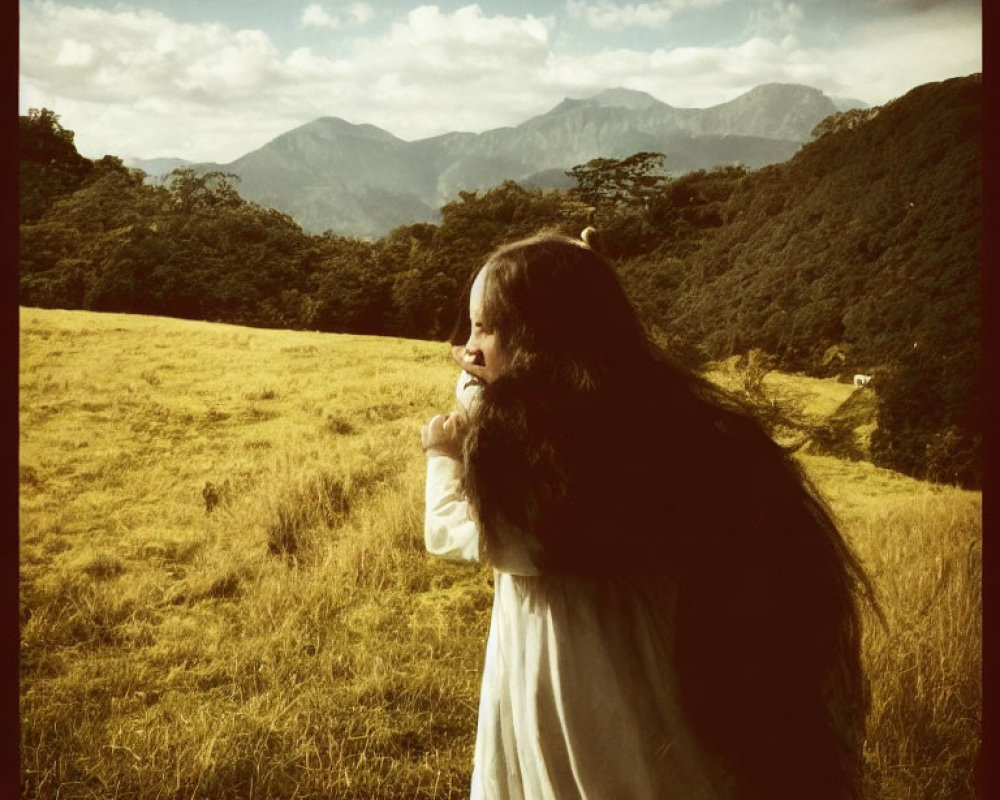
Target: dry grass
[922,545]
[295,640]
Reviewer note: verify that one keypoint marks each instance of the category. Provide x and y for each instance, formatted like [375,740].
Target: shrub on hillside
[928,417]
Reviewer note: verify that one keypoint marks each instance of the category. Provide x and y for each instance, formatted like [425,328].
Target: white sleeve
[449,530]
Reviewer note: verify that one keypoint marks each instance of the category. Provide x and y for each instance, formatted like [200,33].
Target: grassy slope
[296,640]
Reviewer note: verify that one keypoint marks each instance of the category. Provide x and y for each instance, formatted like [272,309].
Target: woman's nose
[473,355]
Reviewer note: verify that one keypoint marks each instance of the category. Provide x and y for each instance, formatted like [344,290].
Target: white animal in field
[862,380]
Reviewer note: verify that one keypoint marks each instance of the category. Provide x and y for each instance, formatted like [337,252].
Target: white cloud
[775,19]
[315,16]
[361,12]
[468,28]
[884,60]
[137,83]
[74,54]
[434,71]
[141,84]
[127,54]
[931,46]
[607,15]
[696,77]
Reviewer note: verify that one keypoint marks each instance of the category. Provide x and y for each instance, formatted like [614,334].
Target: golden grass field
[296,641]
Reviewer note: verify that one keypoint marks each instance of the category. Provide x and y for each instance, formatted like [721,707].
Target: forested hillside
[850,241]
[860,254]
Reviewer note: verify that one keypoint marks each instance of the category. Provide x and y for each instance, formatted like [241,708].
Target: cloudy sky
[210,80]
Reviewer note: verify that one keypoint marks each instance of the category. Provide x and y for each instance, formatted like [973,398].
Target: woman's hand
[444,435]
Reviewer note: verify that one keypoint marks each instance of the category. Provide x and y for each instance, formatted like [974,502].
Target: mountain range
[360,180]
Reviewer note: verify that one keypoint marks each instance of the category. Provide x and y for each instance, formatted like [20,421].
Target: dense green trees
[191,249]
[194,248]
[49,164]
[621,195]
[867,241]
[607,183]
[860,254]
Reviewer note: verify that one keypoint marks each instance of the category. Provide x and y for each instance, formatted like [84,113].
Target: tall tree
[49,164]
[621,195]
[608,182]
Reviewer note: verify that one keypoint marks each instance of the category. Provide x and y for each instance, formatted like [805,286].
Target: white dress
[578,695]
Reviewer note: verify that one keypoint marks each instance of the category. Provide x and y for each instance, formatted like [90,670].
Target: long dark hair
[620,463]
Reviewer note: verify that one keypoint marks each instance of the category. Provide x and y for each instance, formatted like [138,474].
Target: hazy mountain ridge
[156,168]
[326,172]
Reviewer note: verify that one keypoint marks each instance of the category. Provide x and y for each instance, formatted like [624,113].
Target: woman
[675,613]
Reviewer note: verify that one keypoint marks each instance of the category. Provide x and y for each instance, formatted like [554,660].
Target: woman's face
[482,349]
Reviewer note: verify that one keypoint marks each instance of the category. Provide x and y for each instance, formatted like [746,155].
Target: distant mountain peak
[567,104]
[625,98]
[849,103]
[156,168]
[631,99]
[776,87]
[337,126]
[769,93]
[362,180]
